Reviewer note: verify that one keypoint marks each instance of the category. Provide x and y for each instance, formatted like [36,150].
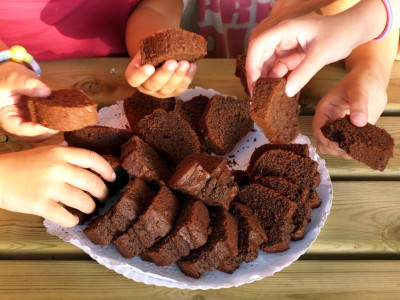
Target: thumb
[358,108]
[33,87]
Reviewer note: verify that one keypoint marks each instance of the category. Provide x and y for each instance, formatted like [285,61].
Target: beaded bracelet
[389,20]
[19,54]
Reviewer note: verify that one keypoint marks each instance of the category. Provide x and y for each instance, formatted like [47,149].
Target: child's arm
[173,77]
[361,93]
[39,181]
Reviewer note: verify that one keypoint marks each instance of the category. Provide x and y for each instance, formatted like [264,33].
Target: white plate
[265,265]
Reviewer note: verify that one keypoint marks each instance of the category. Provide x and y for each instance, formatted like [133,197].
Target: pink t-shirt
[60,29]
[226,24]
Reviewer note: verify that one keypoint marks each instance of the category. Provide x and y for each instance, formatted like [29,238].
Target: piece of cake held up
[177,44]
[276,114]
[370,144]
[63,110]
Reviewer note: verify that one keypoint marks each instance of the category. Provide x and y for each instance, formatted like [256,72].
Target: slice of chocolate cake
[190,232]
[155,223]
[276,114]
[294,168]
[176,44]
[102,230]
[140,160]
[250,236]
[101,139]
[369,145]
[275,213]
[240,72]
[63,110]
[299,149]
[296,194]
[222,244]
[170,135]
[139,105]
[205,177]
[224,122]
[192,110]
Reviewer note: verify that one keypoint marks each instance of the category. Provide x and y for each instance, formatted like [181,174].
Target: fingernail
[42,92]
[148,70]
[358,119]
[113,176]
[291,90]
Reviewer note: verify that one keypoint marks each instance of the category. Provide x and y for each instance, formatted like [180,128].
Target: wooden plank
[302,280]
[361,213]
[104,79]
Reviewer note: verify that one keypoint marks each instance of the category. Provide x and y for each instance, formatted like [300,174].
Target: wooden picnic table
[356,255]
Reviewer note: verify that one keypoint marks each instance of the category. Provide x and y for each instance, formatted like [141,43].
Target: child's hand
[361,93]
[302,46]
[15,81]
[40,180]
[169,80]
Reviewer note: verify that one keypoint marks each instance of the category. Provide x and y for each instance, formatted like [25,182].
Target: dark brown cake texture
[192,110]
[250,237]
[170,135]
[101,139]
[63,110]
[104,229]
[190,232]
[224,122]
[296,194]
[369,145]
[276,114]
[240,72]
[205,177]
[275,213]
[140,160]
[176,44]
[221,245]
[139,105]
[151,226]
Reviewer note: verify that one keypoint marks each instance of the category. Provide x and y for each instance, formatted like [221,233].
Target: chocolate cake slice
[299,149]
[296,194]
[190,232]
[250,236]
[101,139]
[222,244]
[275,213]
[240,72]
[63,110]
[139,105]
[192,110]
[140,160]
[369,145]
[224,122]
[177,44]
[205,177]
[170,135]
[155,223]
[102,230]
[276,114]
[299,170]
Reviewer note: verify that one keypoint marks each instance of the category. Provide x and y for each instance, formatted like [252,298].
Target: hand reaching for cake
[15,81]
[41,180]
[170,79]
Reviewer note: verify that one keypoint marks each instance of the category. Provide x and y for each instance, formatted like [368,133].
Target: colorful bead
[19,54]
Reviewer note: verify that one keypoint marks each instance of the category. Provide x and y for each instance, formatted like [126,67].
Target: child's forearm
[149,17]
[376,55]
